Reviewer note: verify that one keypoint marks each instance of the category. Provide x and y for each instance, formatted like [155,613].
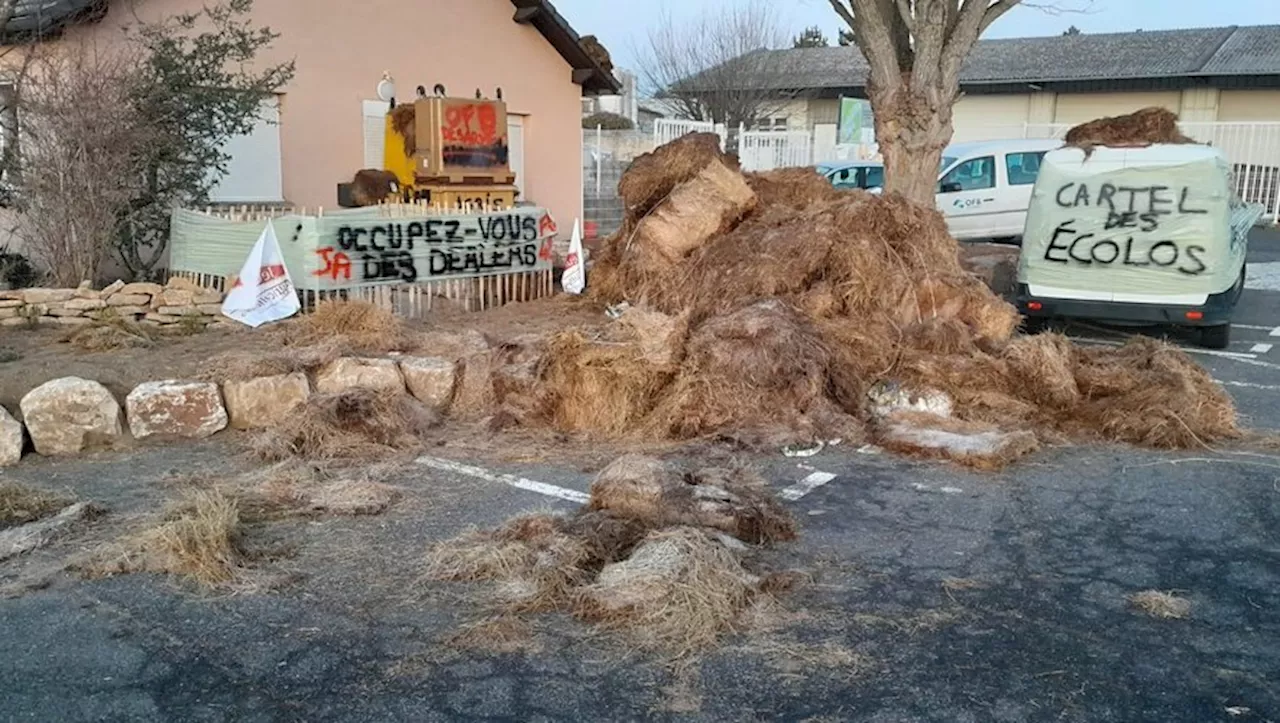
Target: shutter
[375,132]
[253,173]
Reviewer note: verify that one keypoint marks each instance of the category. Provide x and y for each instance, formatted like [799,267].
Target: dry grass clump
[1159,604]
[1140,128]
[362,326]
[354,424]
[199,539]
[108,332]
[20,504]
[298,489]
[240,366]
[656,551]
[680,589]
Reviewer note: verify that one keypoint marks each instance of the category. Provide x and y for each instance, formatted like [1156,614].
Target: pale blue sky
[621,24]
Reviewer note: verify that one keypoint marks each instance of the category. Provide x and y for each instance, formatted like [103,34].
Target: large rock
[141,288]
[46,296]
[82,303]
[174,297]
[355,373]
[10,438]
[123,299]
[190,410]
[430,380]
[265,401]
[473,390]
[70,415]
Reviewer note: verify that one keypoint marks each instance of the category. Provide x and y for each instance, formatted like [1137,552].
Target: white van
[1148,235]
[984,187]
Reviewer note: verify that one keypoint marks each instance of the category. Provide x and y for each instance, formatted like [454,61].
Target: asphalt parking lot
[1038,631]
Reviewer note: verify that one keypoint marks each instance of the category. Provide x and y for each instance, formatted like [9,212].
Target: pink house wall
[342,48]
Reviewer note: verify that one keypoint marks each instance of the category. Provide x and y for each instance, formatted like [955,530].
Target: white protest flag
[263,291]
[574,278]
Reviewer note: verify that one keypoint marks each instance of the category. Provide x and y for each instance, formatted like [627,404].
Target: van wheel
[1215,337]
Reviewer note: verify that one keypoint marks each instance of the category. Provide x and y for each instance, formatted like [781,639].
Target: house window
[974,174]
[1023,167]
[779,124]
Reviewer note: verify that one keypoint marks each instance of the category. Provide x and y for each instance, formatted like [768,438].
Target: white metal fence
[765,150]
[666,130]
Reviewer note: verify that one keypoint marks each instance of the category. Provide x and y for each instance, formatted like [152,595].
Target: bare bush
[79,142]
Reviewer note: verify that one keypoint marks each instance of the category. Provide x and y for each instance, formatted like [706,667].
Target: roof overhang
[542,15]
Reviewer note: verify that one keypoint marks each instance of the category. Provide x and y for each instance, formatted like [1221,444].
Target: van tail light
[1195,315]
[1034,305]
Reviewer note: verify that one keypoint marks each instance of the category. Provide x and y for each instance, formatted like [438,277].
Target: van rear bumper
[1216,310]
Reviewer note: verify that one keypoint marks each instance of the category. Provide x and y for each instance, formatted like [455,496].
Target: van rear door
[1020,170]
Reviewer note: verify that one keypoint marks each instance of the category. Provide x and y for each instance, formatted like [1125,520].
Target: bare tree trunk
[912,135]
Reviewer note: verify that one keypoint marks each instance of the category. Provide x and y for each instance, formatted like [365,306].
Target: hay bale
[1140,128]
[972,444]
[793,188]
[607,382]
[404,120]
[762,367]
[354,424]
[653,176]
[710,203]
[372,186]
[636,487]
[1042,365]
[678,588]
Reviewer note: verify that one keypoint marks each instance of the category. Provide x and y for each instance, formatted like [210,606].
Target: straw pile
[1140,128]
[786,301]
[354,424]
[657,552]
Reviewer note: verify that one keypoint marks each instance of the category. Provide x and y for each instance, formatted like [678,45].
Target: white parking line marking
[541,488]
[1248,385]
[1261,348]
[1275,332]
[1253,327]
[1238,356]
[806,485]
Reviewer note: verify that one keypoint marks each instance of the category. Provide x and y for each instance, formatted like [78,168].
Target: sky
[622,24]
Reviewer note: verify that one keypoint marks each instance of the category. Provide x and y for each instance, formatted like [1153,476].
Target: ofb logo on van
[264,291]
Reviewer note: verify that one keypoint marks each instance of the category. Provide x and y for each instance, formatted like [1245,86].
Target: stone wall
[178,302]
[71,415]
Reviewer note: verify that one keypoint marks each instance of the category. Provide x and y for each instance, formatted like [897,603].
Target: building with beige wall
[317,131]
[1227,75]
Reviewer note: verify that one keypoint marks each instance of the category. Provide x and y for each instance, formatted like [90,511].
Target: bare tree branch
[994,12]
[717,67]
[905,12]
